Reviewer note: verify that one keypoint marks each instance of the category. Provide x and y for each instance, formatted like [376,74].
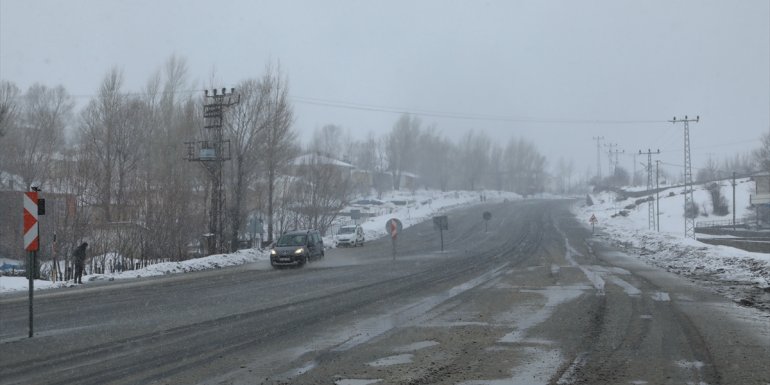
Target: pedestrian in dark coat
[80,261]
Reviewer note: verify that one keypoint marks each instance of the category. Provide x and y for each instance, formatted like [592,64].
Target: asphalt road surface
[535,299]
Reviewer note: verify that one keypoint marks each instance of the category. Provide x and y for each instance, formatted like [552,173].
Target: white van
[352,235]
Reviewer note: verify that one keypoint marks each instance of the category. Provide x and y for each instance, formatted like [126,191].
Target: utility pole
[689,202]
[733,200]
[598,140]
[211,153]
[657,193]
[609,158]
[610,153]
[650,204]
[613,163]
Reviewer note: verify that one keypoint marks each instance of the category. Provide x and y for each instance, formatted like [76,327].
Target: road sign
[393,226]
[441,223]
[31,239]
[487,215]
[593,220]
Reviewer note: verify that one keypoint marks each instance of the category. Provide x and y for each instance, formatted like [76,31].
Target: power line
[417,111]
[463,116]
[712,146]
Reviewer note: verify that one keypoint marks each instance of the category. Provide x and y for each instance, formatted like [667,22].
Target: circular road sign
[393,226]
[487,215]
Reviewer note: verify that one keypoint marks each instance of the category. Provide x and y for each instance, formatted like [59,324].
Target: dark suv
[297,248]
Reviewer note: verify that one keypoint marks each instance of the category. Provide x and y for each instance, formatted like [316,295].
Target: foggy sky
[555,72]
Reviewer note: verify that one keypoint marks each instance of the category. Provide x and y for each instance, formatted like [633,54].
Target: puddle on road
[413,314]
[348,336]
[393,360]
[415,346]
[539,367]
[555,296]
[630,289]
[356,382]
[660,297]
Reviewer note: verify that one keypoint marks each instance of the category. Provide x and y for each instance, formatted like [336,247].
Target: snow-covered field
[669,249]
[421,206]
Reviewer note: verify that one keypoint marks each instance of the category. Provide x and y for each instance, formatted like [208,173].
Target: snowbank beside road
[668,248]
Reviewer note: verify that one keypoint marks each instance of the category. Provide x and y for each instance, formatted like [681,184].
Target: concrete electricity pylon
[650,204]
[689,202]
[598,140]
[211,152]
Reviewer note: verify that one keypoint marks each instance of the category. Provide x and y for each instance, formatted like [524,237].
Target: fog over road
[535,299]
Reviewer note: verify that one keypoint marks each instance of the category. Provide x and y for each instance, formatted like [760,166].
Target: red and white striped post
[31,236]
[31,243]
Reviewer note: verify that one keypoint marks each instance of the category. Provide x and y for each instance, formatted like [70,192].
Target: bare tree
[279,139]
[331,140]
[401,147]
[9,95]
[244,126]
[109,135]
[434,159]
[322,190]
[173,204]
[496,167]
[40,120]
[525,167]
[475,157]
[762,154]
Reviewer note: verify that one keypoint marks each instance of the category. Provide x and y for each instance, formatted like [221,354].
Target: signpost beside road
[441,223]
[593,221]
[487,216]
[393,226]
[31,241]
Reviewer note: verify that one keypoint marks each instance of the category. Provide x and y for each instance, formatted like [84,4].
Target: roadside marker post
[31,243]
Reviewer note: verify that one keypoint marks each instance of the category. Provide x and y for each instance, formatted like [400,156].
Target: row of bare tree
[122,160]
[474,162]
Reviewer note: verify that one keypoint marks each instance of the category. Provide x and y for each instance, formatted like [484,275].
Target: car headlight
[272,252]
[299,251]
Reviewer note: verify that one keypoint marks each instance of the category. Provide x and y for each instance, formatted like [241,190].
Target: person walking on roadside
[80,261]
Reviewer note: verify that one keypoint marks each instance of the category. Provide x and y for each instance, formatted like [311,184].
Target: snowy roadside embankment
[425,205]
[668,249]
[420,206]
[240,257]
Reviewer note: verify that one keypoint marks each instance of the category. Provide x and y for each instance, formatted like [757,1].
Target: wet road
[533,300]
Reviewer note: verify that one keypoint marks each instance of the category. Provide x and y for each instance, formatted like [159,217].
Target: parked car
[297,248]
[352,235]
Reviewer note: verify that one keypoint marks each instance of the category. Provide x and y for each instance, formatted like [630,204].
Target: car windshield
[292,240]
[347,230]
